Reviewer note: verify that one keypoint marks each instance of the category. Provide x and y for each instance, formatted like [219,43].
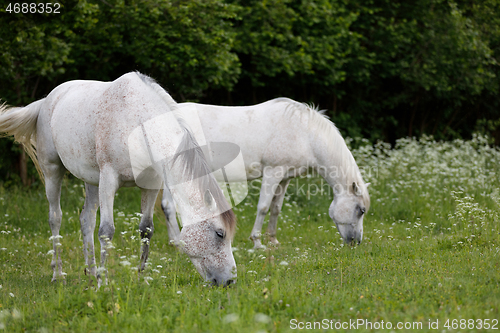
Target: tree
[185,45]
[33,50]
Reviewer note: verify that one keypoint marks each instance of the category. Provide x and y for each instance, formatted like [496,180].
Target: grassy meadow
[429,260]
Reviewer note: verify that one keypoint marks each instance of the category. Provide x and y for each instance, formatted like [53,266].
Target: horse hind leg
[87,224]
[108,185]
[148,198]
[276,205]
[168,207]
[53,179]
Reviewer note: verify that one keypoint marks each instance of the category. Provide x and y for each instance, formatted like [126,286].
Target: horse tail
[20,122]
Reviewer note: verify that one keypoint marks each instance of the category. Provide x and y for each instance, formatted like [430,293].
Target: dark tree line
[383,69]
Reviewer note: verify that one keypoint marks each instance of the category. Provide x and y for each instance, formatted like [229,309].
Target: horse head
[208,244]
[348,209]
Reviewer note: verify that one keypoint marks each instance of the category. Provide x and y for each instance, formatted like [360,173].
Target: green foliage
[32,49]
[186,45]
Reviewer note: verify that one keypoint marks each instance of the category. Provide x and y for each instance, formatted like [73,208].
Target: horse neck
[168,143]
[334,161]
[188,179]
[188,199]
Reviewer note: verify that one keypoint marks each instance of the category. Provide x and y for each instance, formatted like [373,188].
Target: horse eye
[220,234]
[362,210]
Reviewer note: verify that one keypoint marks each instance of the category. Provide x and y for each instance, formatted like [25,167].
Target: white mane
[172,104]
[321,125]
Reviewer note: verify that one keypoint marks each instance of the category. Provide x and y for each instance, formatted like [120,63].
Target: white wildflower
[16,314]
[262,318]
[230,318]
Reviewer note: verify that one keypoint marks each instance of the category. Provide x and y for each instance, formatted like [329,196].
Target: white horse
[101,132]
[281,139]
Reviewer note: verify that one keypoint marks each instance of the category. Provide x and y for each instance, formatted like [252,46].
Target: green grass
[431,251]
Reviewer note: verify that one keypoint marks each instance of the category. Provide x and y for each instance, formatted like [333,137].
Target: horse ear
[355,189]
[209,200]
[368,184]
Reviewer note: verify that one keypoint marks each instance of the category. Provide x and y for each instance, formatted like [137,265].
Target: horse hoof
[61,279]
[174,243]
[259,246]
[273,241]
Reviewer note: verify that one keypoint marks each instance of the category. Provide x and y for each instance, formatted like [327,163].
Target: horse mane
[193,160]
[320,124]
[172,104]
[195,166]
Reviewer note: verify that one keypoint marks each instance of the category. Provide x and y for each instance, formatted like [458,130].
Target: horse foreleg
[108,185]
[53,179]
[146,226]
[168,206]
[87,224]
[267,191]
[276,205]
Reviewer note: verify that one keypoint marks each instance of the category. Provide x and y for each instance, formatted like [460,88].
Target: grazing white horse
[281,139]
[106,133]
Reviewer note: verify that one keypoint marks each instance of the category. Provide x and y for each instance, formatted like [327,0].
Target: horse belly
[78,155]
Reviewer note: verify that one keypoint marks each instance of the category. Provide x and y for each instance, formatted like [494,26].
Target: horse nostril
[229,282]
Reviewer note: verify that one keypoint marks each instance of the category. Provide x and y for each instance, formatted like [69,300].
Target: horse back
[267,133]
[88,123]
